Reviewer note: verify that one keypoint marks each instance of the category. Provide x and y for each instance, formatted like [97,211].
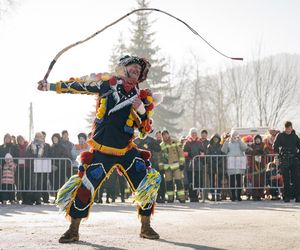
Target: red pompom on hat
[143,94]
[149,107]
[112,81]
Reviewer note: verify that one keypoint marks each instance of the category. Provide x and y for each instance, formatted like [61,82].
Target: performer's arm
[93,84]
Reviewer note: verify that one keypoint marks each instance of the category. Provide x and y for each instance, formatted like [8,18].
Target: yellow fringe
[71,201]
[110,150]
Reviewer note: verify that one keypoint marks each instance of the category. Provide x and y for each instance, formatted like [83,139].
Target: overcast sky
[34,31]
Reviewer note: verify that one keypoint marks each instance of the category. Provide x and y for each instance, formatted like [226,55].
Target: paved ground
[224,225]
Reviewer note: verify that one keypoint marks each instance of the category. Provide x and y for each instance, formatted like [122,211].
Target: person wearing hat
[8,179]
[123,107]
[82,146]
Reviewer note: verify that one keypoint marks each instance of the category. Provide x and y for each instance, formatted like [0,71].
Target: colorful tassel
[146,192]
[66,192]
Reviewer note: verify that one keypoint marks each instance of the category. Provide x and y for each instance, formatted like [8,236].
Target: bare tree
[219,103]
[192,85]
[237,81]
[275,84]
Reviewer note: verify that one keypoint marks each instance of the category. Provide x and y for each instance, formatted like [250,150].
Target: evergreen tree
[118,50]
[142,45]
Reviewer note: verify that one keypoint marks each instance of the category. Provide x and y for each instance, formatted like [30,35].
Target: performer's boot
[71,234]
[146,230]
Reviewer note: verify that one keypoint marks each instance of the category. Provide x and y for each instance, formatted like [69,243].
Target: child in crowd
[274,180]
[8,180]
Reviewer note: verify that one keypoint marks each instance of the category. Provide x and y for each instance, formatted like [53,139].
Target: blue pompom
[81,168]
[96,173]
[140,166]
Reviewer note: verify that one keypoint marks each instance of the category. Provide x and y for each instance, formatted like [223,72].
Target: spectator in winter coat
[257,168]
[38,149]
[194,147]
[274,180]
[23,171]
[8,147]
[82,146]
[268,142]
[204,140]
[215,165]
[60,172]
[235,149]
[67,144]
[8,180]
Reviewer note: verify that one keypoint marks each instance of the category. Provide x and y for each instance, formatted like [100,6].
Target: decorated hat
[145,65]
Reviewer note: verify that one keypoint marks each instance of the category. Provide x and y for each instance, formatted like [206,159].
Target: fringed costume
[112,143]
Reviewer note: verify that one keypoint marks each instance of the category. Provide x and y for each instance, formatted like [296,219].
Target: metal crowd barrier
[36,174]
[253,175]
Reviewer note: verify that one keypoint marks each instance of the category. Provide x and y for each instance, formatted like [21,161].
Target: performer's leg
[134,170]
[80,206]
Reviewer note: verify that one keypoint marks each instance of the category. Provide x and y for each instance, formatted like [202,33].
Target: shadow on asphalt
[192,246]
[9,210]
[96,246]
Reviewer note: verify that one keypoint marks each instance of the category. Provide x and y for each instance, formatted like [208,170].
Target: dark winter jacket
[215,162]
[9,148]
[68,148]
[286,143]
[191,148]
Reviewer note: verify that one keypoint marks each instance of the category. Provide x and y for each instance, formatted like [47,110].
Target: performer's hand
[139,106]
[42,85]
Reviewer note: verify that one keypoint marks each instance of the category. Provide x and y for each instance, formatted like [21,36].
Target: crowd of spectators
[177,160]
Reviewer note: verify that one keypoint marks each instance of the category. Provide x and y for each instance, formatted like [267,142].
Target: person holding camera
[235,150]
[287,146]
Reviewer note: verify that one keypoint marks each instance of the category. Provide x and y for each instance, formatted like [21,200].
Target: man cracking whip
[123,107]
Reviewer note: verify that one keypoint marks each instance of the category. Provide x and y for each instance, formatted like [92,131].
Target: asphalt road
[211,225]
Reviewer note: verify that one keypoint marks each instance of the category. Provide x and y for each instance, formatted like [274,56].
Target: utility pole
[31,128]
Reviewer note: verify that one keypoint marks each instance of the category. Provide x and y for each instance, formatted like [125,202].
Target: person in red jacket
[191,148]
